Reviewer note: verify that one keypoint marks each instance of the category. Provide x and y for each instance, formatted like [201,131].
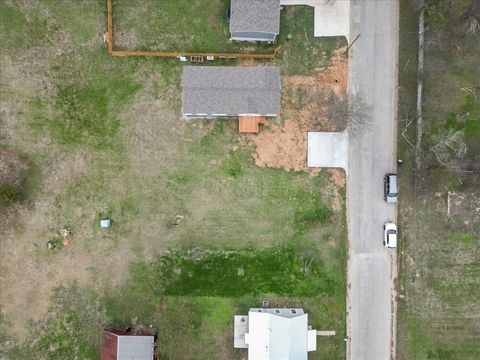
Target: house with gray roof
[255,20]
[227,91]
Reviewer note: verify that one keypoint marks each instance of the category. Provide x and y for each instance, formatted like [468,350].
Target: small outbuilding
[121,345]
[255,20]
[230,91]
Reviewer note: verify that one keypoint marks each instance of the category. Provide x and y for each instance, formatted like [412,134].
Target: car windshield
[391,232]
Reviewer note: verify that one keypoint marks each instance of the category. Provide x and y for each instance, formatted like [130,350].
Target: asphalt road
[372,268]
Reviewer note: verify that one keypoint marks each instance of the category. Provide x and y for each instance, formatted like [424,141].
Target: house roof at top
[230,90]
[277,337]
[255,15]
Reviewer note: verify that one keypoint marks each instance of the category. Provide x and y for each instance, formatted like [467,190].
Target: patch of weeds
[128,207]
[89,97]
[465,238]
[232,166]
[211,143]
[468,119]
[71,327]
[31,181]
[310,209]
[236,273]
[180,332]
[131,300]
[9,195]
[10,347]
[20,178]
[180,25]
[19,30]
[310,213]
[55,244]
[83,117]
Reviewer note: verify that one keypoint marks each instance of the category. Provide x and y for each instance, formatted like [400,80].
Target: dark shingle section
[230,90]
[255,16]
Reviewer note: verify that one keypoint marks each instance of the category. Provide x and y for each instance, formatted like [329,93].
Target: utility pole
[353,42]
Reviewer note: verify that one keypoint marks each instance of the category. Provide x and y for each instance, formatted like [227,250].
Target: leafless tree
[471,18]
[472,25]
[307,260]
[354,113]
[448,148]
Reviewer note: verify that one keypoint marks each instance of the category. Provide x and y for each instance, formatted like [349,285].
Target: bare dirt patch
[339,179]
[304,108]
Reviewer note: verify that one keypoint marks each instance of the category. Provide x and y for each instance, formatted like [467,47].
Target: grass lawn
[181,25]
[303,53]
[440,234]
[188,204]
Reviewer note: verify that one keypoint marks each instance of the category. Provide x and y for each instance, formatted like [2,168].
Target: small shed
[255,20]
[119,345]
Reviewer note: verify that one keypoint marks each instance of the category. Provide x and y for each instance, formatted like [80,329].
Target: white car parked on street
[390,235]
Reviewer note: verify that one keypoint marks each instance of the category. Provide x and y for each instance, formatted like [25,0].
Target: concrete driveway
[372,268]
[327,149]
[332,18]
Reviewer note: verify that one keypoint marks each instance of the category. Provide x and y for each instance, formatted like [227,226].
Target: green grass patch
[88,104]
[467,119]
[303,53]
[181,25]
[9,195]
[20,30]
[238,273]
[71,327]
[465,238]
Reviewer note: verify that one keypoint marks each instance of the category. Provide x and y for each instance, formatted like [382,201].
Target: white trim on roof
[275,334]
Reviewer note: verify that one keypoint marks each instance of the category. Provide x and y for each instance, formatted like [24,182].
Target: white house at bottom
[270,333]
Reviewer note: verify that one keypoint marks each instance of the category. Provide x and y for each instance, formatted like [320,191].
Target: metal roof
[135,348]
[255,15]
[230,91]
[273,336]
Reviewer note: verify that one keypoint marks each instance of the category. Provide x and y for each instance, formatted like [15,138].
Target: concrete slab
[327,149]
[240,328]
[332,17]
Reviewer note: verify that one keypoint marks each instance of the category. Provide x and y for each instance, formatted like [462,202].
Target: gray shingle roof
[255,15]
[230,90]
